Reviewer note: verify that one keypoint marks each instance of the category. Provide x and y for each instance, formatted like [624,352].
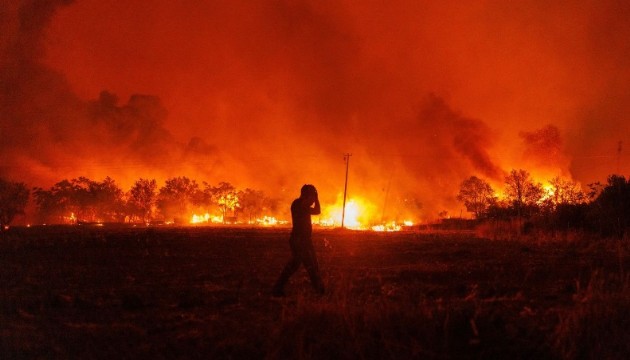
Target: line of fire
[182,201]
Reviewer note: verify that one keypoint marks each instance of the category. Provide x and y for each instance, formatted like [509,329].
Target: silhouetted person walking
[302,251]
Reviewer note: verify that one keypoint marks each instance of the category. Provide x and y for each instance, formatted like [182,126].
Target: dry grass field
[202,292]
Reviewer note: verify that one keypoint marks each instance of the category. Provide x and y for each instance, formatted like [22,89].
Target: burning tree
[477,195]
[13,199]
[80,199]
[563,192]
[106,199]
[96,201]
[141,199]
[226,196]
[252,203]
[56,203]
[522,192]
[177,196]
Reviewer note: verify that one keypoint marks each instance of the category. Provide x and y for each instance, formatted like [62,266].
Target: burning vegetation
[487,116]
[420,113]
[558,204]
[278,115]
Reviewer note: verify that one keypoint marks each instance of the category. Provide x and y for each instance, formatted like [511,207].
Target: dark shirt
[301,216]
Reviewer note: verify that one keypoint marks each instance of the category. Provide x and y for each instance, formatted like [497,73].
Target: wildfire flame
[360,214]
[267,221]
[356,217]
[198,219]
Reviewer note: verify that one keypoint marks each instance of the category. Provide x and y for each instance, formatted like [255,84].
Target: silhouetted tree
[594,189]
[205,198]
[58,204]
[477,195]
[252,203]
[177,196]
[562,207]
[141,198]
[107,200]
[80,199]
[226,196]
[46,205]
[272,205]
[610,212]
[80,194]
[565,192]
[522,192]
[13,199]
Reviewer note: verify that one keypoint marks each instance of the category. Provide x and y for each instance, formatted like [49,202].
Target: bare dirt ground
[202,292]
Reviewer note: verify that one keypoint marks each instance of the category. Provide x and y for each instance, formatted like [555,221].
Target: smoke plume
[271,94]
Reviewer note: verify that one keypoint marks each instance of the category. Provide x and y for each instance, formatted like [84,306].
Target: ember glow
[206,219]
[270,221]
[270,95]
[392,226]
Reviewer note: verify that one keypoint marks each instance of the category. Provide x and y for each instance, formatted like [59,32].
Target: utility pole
[346,158]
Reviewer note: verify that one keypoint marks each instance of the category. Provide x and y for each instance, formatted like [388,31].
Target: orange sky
[272,93]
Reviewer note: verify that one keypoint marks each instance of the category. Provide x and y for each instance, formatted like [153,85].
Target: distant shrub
[609,214]
[503,229]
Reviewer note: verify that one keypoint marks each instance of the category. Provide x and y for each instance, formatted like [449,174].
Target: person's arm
[316,210]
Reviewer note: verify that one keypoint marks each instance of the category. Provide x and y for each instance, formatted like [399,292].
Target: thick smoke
[544,150]
[271,94]
[34,101]
[49,133]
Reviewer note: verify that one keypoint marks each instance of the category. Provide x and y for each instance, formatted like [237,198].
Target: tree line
[85,200]
[561,205]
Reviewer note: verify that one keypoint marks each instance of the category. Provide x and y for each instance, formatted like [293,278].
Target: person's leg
[312,267]
[289,269]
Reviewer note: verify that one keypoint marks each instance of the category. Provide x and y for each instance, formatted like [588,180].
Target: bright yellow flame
[358,214]
[326,222]
[548,192]
[351,218]
[267,221]
[391,226]
[197,219]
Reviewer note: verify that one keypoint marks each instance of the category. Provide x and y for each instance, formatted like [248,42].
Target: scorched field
[203,292]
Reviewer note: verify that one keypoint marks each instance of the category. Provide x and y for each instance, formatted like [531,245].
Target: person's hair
[307,189]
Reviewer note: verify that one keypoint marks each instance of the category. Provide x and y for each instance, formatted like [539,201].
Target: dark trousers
[302,253]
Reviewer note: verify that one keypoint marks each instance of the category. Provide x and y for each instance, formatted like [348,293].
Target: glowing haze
[271,94]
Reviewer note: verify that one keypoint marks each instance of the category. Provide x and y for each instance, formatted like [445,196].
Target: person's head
[308,192]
